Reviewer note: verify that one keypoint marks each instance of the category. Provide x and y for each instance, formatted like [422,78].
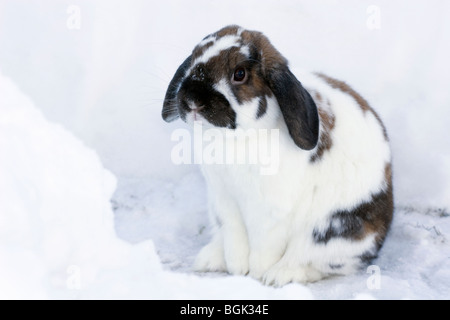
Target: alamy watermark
[74,18]
[374,280]
[255,147]
[73,281]
[373,21]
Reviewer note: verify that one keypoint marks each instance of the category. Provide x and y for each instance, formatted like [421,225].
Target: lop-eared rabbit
[329,206]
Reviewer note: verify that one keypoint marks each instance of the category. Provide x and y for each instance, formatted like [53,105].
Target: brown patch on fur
[363,104]
[317,97]
[388,173]
[344,87]
[200,50]
[327,121]
[372,217]
[262,107]
[227,31]
[270,57]
[379,219]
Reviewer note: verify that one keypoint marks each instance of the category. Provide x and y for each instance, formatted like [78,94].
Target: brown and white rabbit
[329,206]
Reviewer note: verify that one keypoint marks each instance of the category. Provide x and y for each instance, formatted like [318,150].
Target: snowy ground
[414,262]
[103,80]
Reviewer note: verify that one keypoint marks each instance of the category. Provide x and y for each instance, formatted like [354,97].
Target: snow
[76,101]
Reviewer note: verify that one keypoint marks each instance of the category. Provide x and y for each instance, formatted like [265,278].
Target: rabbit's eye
[239,75]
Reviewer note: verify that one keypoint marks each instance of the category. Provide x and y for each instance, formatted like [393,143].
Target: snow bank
[55,210]
[57,237]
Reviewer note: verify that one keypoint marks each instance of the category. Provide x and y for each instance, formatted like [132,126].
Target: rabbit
[328,208]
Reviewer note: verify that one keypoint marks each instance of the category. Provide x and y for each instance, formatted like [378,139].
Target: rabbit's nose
[194,107]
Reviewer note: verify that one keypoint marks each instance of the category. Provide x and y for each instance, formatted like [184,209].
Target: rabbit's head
[235,78]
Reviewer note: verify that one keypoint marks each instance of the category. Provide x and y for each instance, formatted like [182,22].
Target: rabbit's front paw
[237,264]
[211,258]
[280,275]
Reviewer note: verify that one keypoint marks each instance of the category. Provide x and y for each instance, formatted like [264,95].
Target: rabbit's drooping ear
[297,106]
[170,110]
